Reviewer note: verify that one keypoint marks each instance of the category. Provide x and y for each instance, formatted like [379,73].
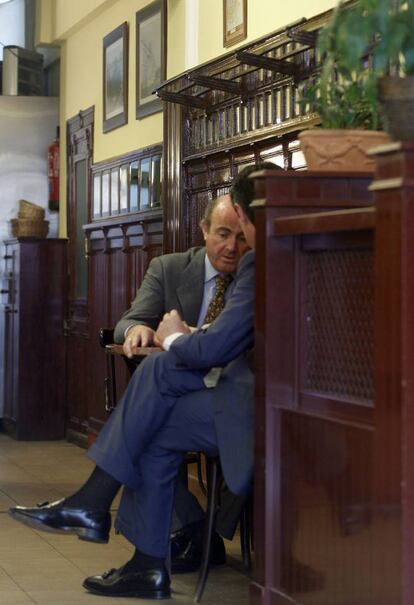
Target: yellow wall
[79,27]
[71,16]
[176,37]
[263,17]
[81,86]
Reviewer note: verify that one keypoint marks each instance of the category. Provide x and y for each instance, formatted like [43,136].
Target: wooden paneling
[118,255]
[114,253]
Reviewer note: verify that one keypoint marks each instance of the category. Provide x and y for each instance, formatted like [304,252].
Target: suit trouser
[164,412]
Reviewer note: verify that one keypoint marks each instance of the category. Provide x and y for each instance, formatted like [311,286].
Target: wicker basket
[29,228]
[28,210]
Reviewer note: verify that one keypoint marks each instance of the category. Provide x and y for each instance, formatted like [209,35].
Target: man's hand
[170,324]
[138,336]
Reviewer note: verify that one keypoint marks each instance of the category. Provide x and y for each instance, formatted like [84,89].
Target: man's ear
[204,229]
[240,213]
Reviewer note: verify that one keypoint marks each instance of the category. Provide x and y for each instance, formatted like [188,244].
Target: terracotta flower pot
[396,100]
[340,150]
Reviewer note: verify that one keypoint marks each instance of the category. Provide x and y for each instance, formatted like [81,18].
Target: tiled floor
[48,569]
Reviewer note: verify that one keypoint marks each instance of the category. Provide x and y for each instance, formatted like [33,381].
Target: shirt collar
[209,271]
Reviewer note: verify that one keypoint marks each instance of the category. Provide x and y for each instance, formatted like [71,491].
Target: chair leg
[209,528]
[110,384]
[200,475]
[245,535]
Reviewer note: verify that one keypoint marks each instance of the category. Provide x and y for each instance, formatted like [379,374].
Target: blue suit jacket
[224,343]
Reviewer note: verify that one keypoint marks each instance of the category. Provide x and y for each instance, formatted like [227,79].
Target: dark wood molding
[126,158]
[276,65]
[217,84]
[181,99]
[320,222]
[174,235]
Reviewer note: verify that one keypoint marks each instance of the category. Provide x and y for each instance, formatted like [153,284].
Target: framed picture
[151,56]
[115,78]
[234,21]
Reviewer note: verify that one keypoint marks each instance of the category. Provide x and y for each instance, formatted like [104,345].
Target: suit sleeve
[230,334]
[148,306]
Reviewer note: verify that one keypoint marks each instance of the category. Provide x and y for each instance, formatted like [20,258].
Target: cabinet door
[79,387]
[11,331]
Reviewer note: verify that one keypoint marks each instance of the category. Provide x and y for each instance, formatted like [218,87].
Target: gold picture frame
[234,21]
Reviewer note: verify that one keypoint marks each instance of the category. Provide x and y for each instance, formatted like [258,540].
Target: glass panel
[105,194]
[81,276]
[133,188]
[156,181]
[97,195]
[115,191]
[145,183]
[123,205]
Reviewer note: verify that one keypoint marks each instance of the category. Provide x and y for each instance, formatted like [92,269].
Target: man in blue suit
[186,281]
[172,404]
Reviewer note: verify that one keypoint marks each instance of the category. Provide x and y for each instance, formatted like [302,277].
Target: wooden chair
[214,483]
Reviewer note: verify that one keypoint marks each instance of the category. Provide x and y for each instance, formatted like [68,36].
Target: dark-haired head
[242,189]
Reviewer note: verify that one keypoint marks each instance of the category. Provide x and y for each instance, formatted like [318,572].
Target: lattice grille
[339,324]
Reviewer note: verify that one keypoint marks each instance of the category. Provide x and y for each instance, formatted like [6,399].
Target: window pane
[133,190]
[115,191]
[156,181]
[123,202]
[105,194]
[145,183]
[97,195]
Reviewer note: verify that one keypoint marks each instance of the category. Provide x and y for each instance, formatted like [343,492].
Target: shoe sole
[156,595]
[88,535]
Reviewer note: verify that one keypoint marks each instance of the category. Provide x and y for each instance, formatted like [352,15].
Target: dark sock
[142,562]
[97,493]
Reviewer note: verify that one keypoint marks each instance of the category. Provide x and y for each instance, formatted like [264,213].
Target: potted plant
[357,46]
[393,61]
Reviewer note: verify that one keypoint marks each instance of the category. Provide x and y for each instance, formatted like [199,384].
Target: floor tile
[38,568]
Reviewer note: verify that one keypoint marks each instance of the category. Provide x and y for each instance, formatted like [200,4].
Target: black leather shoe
[149,584]
[186,554]
[88,525]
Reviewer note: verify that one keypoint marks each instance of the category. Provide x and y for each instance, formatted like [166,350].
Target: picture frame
[115,78]
[234,21]
[151,45]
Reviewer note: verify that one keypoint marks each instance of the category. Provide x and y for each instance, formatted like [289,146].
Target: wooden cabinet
[334,495]
[34,299]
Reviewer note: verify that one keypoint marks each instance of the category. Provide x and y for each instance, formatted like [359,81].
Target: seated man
[187,281]
[166,411]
